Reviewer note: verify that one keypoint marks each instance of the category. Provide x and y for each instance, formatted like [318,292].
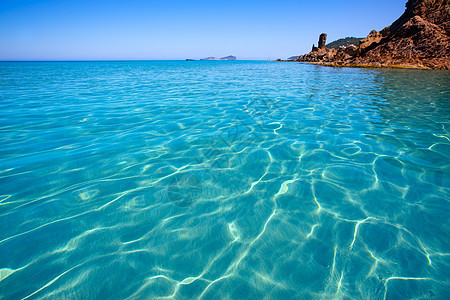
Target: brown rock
[350,50]
[346,53]
[320,53]
[372,39]
[419,38]
[322,40]
[434,11]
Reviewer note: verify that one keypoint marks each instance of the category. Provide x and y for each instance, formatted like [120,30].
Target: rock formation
[322,40]
[420,38]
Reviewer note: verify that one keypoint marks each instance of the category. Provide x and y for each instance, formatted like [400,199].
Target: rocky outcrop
[322,41]
[420,38]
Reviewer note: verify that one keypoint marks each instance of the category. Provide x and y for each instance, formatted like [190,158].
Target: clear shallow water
[223,180]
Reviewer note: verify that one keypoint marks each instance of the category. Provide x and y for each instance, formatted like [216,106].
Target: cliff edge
[420,38]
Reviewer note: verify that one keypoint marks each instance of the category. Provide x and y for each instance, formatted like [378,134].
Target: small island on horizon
[229,57]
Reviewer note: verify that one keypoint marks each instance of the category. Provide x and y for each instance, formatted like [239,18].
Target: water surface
[242,180]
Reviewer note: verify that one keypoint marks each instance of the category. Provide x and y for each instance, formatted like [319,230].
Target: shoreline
[369,66]
[362,66]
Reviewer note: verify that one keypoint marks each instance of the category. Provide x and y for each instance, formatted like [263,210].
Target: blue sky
[177,29]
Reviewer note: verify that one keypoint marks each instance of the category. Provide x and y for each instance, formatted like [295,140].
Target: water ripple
[182,180]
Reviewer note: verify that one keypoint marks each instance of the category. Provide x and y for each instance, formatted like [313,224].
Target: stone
[351,50]
[420,38]
[322,40]
[372,39]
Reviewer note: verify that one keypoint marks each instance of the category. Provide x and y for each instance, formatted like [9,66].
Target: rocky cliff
[420,38]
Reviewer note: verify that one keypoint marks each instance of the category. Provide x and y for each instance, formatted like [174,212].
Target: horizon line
[106,60]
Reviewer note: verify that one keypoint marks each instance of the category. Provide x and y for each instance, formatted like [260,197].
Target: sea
[223,180]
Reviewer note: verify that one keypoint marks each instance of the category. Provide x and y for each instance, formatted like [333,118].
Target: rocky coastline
[420,38]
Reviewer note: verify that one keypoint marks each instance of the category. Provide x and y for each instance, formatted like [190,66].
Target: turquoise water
[214,180]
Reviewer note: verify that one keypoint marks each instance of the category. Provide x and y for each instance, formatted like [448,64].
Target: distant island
[420,38]
[230,57]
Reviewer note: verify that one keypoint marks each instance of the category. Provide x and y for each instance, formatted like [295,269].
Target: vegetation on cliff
[344,42]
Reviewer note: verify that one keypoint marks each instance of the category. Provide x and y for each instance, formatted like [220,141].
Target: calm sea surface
[239,180]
